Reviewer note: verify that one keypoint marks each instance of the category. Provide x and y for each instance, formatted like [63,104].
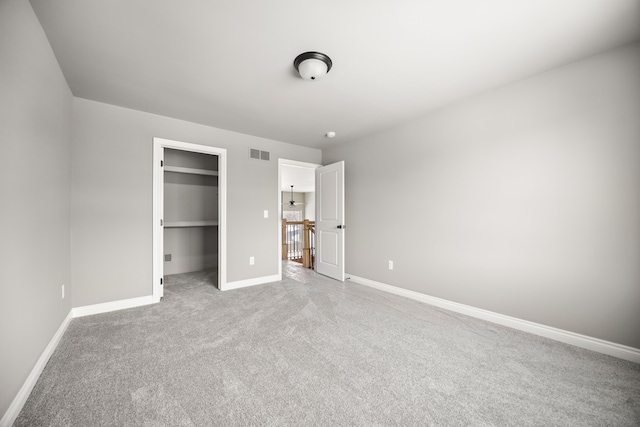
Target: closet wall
[190,211]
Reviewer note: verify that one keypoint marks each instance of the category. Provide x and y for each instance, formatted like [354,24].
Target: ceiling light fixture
[312,65]
[330,135]
[292,202]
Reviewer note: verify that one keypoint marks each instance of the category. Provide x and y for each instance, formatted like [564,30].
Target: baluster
[285,246]
[306,256]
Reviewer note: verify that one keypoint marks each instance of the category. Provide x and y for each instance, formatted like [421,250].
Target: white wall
[112,199]
[35,135]
[524,200]
[310,207]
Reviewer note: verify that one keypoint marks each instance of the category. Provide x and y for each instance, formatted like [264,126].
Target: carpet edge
[18,402]
[620,351]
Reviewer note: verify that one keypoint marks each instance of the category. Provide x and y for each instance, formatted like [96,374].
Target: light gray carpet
[311,351]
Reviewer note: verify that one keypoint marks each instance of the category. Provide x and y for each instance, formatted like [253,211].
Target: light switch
[266,213]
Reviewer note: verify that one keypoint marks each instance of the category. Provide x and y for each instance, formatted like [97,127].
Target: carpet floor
[312,351]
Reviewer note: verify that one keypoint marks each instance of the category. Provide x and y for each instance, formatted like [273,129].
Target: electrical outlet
[167,257]
[266,213]
[252,260]
[390,265]
[62,291]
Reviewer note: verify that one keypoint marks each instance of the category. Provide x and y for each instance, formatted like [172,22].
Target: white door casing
[157,289]
[330,227]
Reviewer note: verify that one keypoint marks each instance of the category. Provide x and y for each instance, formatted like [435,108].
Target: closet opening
[189,207]
[190,216]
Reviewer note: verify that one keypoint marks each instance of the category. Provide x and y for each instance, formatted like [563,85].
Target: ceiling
[303,179]
[228,63]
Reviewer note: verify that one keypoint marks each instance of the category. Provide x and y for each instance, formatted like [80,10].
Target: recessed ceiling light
[330,135]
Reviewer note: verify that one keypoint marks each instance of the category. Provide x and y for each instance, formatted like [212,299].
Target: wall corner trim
[88,310]
[250,282]
[14,409]
[594,344]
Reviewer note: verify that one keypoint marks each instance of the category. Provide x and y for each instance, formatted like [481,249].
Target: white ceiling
[228,63]
[302,179]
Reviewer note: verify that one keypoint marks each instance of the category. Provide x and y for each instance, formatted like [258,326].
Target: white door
[330,225]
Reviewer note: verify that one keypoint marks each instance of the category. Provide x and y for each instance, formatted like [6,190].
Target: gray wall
[112,199]
[191,249]
[35,134]
[524,200]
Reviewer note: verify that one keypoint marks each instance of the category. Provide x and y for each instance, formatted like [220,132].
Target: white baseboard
[14,409]
[250,282]
[601,346]
[88,310]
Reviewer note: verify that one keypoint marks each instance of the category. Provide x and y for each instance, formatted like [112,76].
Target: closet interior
[190,213]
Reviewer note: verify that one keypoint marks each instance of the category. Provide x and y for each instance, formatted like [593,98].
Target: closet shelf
[176,224]
[179,169]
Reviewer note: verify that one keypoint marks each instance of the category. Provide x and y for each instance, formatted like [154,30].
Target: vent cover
[259,155]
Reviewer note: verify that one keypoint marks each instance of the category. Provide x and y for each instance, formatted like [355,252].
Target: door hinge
[161,281]
[161,223]
[161,163]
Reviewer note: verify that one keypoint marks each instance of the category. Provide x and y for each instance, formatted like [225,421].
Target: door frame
[281,163]
[159,144]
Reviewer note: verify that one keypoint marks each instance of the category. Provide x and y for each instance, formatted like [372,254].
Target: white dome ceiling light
[312,65]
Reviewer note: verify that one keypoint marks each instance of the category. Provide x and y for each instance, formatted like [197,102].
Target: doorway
[189,210]
[301,176]
[328,183]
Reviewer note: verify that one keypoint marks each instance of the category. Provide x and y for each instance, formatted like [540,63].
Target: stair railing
[298,241]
